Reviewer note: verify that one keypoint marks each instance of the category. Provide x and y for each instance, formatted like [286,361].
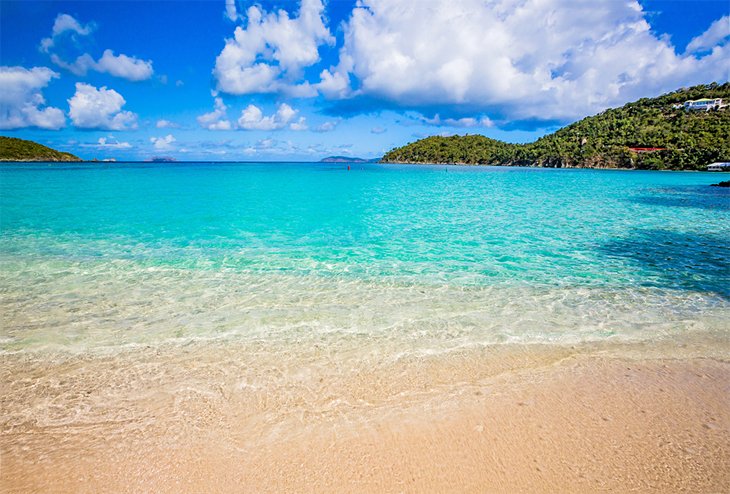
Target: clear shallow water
[393,259]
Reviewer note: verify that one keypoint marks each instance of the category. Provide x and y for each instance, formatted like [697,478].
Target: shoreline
[414,163]
[616,168]
[525,420]
[285,329]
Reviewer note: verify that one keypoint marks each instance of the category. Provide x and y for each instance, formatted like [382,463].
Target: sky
[233,80]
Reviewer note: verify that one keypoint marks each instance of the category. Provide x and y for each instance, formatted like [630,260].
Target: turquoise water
[425,258]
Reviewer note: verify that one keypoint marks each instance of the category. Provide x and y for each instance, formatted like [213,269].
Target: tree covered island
[13,149]
[683,130]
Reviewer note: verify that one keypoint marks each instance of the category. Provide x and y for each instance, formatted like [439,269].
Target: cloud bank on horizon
[451,64]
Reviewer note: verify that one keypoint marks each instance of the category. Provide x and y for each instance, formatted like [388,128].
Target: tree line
[616,138]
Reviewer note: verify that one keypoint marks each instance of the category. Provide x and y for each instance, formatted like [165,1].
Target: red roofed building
[646,150]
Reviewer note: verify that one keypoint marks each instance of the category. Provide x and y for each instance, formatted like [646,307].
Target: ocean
[427,258]
[159,322]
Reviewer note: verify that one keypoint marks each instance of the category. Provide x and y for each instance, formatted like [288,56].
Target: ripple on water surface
[412,257]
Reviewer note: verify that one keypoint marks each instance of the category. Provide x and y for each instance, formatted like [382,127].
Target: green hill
[12,149]
[651,133]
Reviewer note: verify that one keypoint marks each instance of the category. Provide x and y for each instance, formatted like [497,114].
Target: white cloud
[231,12]
[270,146]
[166,124]
[163,143]
[545,59]
[22,102]
[458,122]
[256,78]
[99,108]
[378,130]
[334,84]
[79,67]
[327,126]
[217,119]
[268,55]
[110,143]
[267,143]
[126,67]
[64,23]
[303,90]
[300,124]
[129,68]
[716,34]
[252,118]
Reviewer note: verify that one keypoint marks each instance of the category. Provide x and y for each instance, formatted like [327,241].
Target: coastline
[512,165]
[358,332]
[367,162]
[365,247]
[507,419]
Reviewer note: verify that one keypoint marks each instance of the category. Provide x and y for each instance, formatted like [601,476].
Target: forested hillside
[13,149]
[651,133]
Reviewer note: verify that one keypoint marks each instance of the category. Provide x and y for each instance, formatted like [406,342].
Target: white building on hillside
[719,167]
[705,104]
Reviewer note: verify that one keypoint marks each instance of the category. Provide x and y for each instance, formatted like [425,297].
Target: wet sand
[510,420]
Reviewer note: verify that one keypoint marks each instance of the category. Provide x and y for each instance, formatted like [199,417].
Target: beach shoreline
[543,420]
[294,328]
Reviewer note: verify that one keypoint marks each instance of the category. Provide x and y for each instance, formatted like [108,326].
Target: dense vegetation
[691,139]
[12,149]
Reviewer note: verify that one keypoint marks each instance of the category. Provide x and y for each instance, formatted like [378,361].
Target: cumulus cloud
[532,59]
[79,67]
[109,143]
[300,124]
[217,119]
[99,108]
[252,118]
[22,102]
[129,68]
[458,122]
[126,67]
[166,124]
[269,54]
[718,33]
[163,143]
[334,83]
[65,23]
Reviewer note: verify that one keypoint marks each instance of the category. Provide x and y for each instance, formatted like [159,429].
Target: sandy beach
[364,246]
[520,419]
[487,330]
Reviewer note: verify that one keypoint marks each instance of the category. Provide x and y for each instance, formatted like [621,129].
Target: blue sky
[301,80]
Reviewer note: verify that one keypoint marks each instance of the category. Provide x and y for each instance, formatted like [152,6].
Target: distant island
[683,130]
[347,159]
[13,149]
